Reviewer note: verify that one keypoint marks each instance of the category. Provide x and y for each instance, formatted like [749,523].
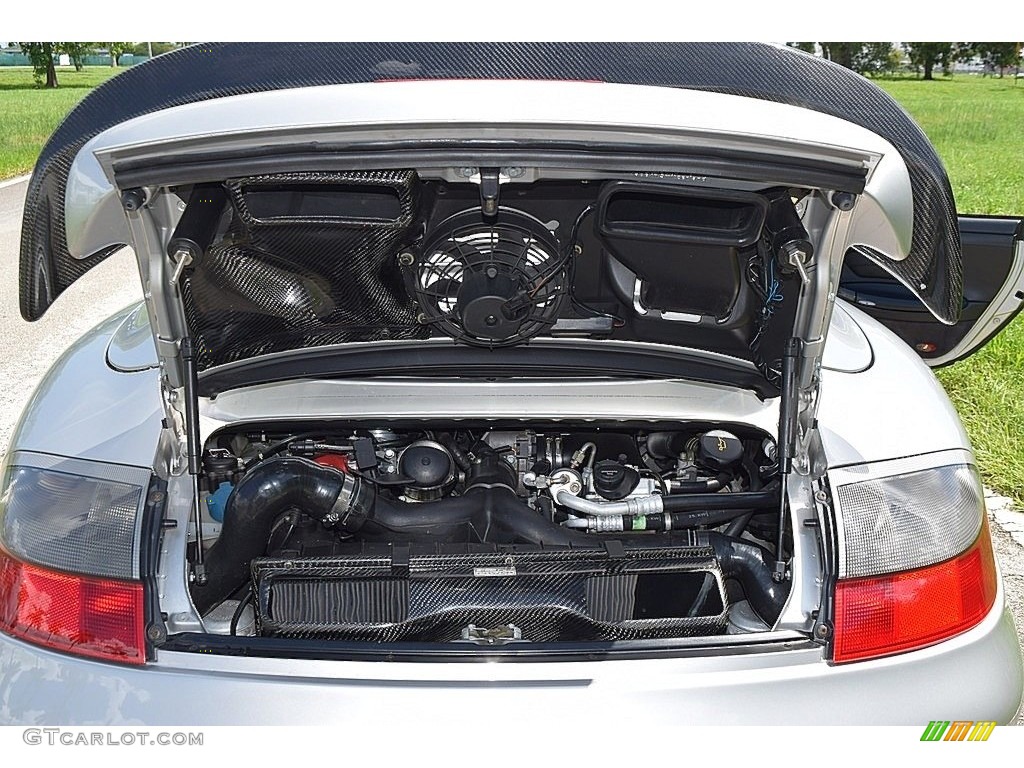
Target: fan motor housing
[493,282]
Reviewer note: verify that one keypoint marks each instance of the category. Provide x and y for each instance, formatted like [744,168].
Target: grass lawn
[29,114]
[974,122]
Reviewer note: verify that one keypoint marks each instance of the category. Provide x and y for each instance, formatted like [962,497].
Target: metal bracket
[659,314]
[490,191]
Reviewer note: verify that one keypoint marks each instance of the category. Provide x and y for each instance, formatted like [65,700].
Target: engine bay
[490,533]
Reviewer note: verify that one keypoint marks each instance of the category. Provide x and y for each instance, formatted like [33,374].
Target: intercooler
[547,595]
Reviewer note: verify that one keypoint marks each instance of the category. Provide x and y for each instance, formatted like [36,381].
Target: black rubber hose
[763,499]
[700,517]
[749,565]
[458,455]
[269,489]
[702,486]
[491,515]
[739,525]
[239,609]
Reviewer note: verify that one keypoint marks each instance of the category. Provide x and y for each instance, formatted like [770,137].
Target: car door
[993,259]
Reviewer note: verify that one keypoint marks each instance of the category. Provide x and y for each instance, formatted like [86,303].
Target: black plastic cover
[216,70]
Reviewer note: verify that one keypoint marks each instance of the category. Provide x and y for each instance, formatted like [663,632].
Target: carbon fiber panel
[933,269]
[550,596]
[287,282]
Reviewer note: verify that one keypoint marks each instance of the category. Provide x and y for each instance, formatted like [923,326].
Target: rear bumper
[976,676]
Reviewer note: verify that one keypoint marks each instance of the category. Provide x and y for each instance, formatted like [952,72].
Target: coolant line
[656,504]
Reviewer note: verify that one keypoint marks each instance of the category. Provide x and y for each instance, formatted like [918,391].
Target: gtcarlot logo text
[65,737]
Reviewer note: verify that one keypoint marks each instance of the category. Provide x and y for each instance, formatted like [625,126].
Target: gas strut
[192,441]
[788,413]
[195,231]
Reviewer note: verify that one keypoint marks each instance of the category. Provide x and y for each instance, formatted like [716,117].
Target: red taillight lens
[88,616]
[882,615]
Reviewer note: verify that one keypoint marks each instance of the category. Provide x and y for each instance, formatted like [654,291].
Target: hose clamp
[645,505]
[342,508]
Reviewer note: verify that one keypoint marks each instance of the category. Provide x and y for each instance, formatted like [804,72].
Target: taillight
[881,615]
[101,618]
[69,557]
[916,563]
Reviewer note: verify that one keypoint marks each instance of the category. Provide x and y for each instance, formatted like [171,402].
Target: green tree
[77,52]
[894,61]
[805,47]
[142,49]
[41,55]
[998,55]
[117,50]
[842,53]
[926,56]
[865,58]
[875,58]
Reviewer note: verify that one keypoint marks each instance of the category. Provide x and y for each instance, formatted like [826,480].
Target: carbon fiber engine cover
[288,280]
[933,269]
[566,595]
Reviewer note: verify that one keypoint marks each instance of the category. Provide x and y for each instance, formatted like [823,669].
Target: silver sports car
[607,365]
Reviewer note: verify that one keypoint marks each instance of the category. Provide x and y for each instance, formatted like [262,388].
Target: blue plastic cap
[217,501]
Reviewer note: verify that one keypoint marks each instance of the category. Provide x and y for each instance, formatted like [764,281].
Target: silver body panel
[84,409]
[501,109]
[894,408]
[975,676]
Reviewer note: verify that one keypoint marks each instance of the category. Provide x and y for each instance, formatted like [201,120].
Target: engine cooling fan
[490,284]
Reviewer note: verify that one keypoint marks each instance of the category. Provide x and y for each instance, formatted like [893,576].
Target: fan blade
[468,253]
[443,288]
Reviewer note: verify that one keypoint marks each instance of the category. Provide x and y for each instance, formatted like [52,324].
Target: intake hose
[748,563]
[489,514]
[273,487]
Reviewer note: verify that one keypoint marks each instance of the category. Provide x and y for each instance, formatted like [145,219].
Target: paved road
[29,349]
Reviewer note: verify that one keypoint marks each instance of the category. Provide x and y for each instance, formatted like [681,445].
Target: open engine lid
[247,129]
[931,269]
